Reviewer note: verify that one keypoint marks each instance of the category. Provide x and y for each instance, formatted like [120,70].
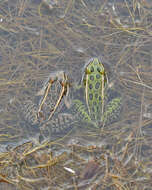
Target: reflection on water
[41,37]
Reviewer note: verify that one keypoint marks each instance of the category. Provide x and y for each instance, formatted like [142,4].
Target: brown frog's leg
[61,77]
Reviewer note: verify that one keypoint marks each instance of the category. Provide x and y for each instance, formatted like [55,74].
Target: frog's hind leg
[112,111]
[44,98]
[58,102]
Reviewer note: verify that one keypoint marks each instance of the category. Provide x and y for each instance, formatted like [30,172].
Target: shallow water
[41,37]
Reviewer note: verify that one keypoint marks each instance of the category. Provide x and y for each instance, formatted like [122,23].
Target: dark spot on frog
[90,86]
[97,85]
[91,77]
[98,76]
[90,96]
[99,98]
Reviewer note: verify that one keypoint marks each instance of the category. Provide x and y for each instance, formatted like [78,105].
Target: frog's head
[94,67]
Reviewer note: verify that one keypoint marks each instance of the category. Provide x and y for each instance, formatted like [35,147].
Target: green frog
[98,109]
[95,105]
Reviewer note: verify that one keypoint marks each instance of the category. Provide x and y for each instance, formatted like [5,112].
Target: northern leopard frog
[98,108]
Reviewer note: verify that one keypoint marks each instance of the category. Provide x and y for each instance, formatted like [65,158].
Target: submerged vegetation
[41,37]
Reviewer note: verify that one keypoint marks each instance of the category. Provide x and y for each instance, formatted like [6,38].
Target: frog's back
[95,82]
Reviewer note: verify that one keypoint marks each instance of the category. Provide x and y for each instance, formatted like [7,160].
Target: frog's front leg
[112,111]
